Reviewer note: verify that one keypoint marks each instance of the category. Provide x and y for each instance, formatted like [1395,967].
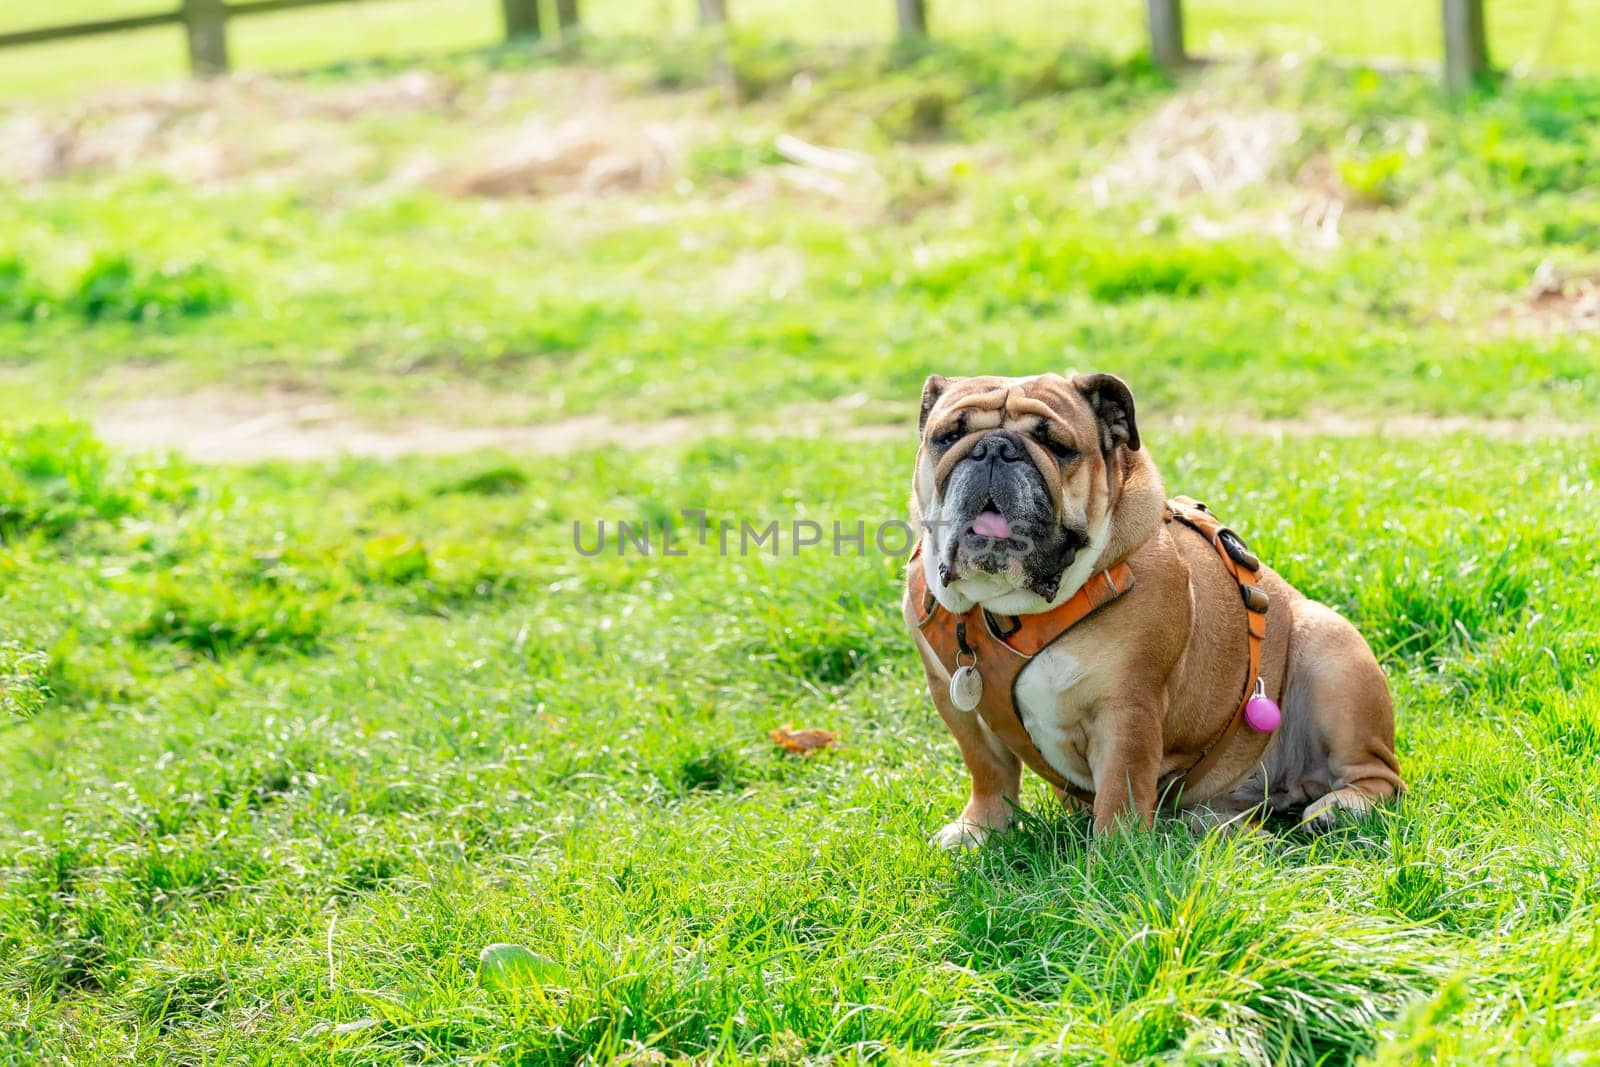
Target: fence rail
[1466,49]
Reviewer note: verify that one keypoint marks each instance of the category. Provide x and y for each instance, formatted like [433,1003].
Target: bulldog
[1127,648]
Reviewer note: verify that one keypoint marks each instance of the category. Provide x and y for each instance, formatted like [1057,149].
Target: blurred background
[470,216]
[1531,34]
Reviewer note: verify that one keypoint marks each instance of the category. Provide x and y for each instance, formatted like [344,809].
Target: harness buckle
[1237,551]
[1255,599]
[997,624]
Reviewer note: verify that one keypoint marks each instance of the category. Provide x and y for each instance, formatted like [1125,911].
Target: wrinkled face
[1012,479]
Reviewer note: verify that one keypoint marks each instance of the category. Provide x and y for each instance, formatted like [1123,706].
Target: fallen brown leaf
[802,742]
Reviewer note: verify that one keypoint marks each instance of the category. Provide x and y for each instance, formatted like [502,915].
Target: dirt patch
[577,132]
[1197,152]
[222,426]
[527,133]
[205,131]
[1556,302]
[1407,426]
[586,155]
[1195,145]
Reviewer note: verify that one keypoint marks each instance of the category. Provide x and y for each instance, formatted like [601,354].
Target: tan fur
[1164,665]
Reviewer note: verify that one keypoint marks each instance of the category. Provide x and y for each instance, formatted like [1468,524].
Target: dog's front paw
[961,834]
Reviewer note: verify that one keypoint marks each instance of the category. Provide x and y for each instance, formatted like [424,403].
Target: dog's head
[1015,485]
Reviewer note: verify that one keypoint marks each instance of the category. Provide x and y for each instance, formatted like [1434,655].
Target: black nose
[1002,446]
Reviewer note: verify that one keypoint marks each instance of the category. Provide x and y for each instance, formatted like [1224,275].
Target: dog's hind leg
[1336,687]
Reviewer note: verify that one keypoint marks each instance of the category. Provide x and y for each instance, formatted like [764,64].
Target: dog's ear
[1112,402]
[932,390]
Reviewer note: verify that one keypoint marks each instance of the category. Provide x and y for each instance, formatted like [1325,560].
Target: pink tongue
[991,524]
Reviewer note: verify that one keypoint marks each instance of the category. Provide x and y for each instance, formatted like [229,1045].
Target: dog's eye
[948,438]
[1064,453]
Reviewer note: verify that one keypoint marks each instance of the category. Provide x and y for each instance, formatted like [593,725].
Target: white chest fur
[1046,694]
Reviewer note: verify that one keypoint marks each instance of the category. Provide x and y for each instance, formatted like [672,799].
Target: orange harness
[998,647]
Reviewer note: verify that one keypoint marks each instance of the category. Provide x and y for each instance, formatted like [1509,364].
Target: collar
[1023,635]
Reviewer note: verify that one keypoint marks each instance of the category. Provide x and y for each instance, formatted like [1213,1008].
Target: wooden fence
[1466,50]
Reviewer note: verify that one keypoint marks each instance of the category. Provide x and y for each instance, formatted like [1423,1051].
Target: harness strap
[1242,564]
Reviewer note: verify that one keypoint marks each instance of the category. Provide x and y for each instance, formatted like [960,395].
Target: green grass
[285,747]
[317,736]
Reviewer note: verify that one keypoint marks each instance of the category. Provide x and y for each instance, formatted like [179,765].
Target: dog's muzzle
[1001,519]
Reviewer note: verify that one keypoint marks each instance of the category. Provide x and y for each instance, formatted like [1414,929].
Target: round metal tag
[966,688]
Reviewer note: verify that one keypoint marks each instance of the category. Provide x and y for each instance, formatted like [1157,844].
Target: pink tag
[1262,714]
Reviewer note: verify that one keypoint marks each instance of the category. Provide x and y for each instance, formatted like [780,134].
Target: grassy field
[284,746]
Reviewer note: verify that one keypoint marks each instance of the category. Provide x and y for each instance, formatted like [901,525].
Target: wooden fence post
[913,17]
[713,12]
[206,23]
[1166,34]
[567,18]
[1466,45]
[522,18]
